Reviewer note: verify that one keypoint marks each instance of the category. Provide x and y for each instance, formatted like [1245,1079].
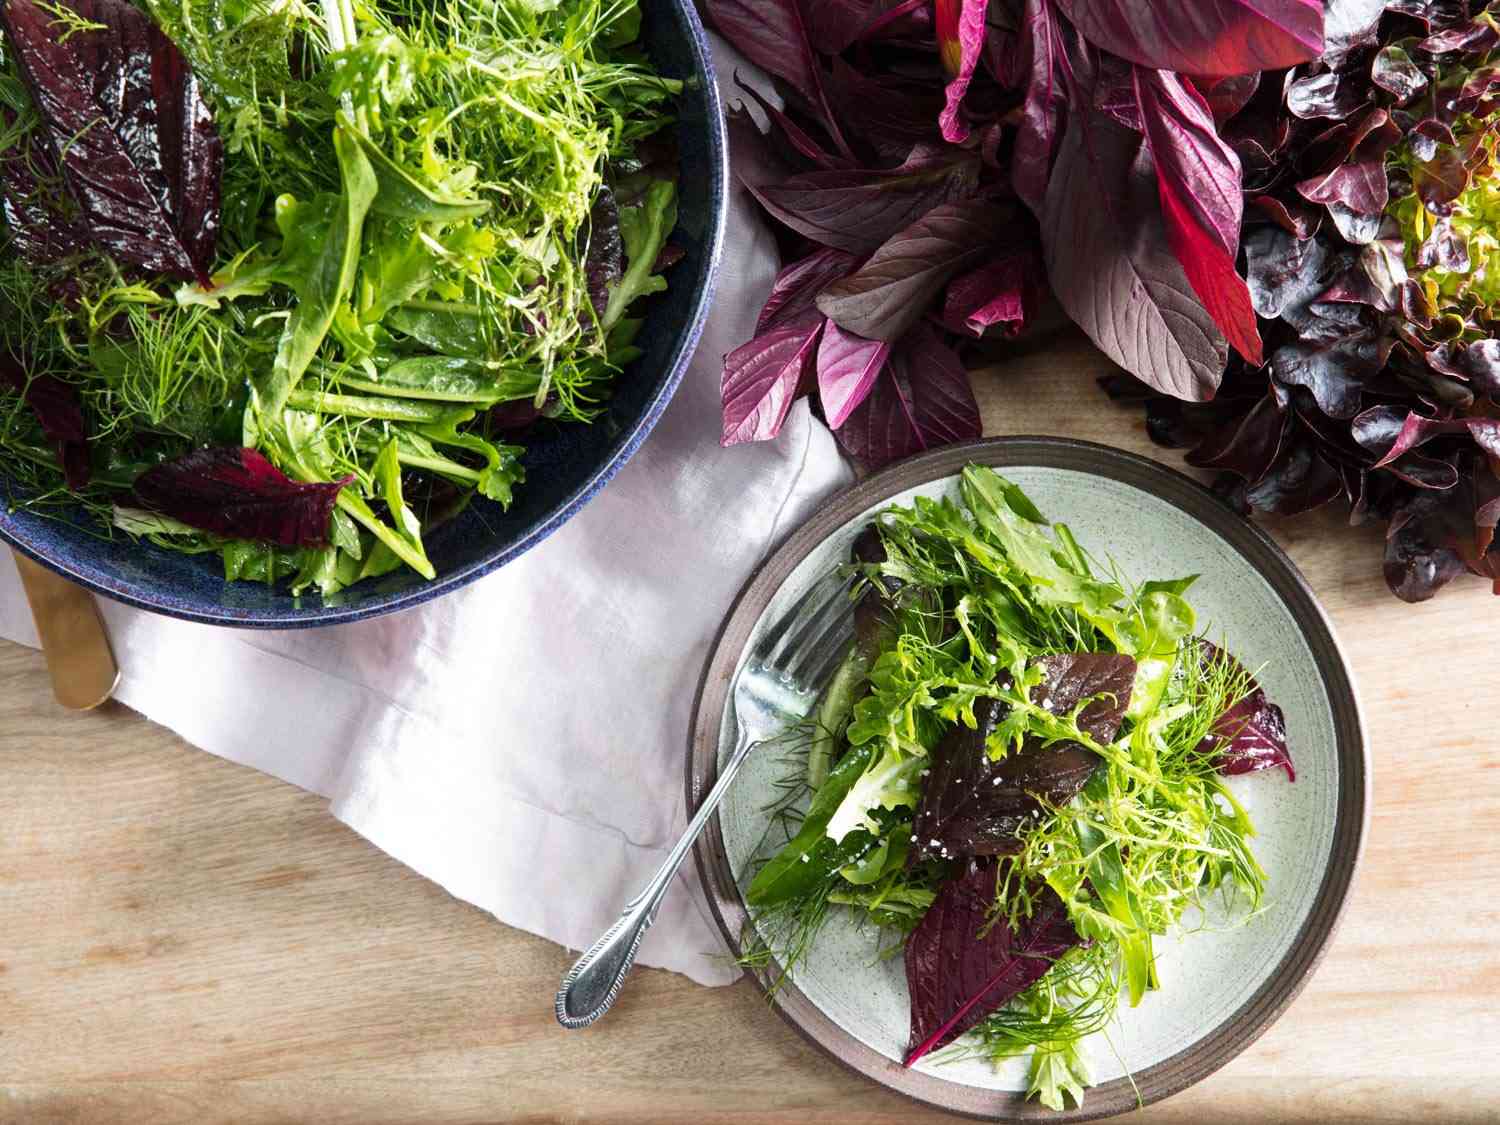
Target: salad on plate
[290,283]
[1018,777]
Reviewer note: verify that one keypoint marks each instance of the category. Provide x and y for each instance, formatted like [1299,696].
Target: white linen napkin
[522,741]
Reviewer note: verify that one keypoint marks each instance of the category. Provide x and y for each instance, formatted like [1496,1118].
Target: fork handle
[595,978]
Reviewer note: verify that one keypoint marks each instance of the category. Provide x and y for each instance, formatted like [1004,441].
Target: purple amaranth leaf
[1251,735]
[797,286]
[1040,130]
[1002,292]
[764,376]
[848,366]
[892,290]
[960,26]
[922,399]
[1198,180]
[237,493]
[974,805]
[890,112]
[126,122]
[1209,37]
[834,26]
[960,967]
[797,140]
[57,410]
[1111,268]
[857,209]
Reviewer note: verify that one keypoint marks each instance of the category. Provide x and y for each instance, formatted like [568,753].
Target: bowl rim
[1352,811]
[99,581]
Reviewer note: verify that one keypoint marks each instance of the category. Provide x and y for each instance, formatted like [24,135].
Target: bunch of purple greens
[1274,217]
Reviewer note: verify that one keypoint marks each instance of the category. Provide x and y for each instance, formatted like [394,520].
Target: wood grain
[184,940]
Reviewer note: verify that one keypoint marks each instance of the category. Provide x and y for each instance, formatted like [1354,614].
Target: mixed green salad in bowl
[1018,781]
[286,287]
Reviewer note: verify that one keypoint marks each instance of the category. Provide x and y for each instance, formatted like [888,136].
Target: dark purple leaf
[1324,95]
[57,410]
[1210,37]
[960,30]
[1111,268]
[960,968]
[1299,480]
[1198,179]
[848,366]
[836,25]
[1395,73]
[1246,445]
[1480,361]
[1040,130]
[857,209]
[1335,373]
[770,33]
[763,377]
[1480,35]
[604,263]
[1226,95]
[1349,25]
[893,114]
[1359,182]
[1294,216]
[797,286]
[1419,548]
[1440,178]
[973,805]
[796,141]
[41,217]
[1003,292]
[237,493]
[126,122]
[1251,735]
[891,291]
[1384,431]
[921,400]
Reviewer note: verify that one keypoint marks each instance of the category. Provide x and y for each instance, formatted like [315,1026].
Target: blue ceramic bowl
[565,464]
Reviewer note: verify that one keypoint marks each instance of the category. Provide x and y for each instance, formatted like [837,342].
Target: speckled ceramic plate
[1221,985]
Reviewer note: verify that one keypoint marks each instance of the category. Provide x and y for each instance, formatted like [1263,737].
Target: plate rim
[1352,808]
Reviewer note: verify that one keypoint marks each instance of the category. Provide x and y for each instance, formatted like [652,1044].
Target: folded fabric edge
[484,862]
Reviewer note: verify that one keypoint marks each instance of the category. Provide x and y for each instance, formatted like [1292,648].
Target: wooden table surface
[185,940]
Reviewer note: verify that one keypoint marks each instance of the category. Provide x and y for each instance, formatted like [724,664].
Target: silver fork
[775,688]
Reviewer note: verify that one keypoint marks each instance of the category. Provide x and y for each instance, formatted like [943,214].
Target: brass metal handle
[84,673]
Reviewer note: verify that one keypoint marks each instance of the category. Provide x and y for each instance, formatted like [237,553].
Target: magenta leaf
[797,286]
[836,25]
[891,112]
[1003,292]
[126,122]
[847,368]
[1251,735]
[771,34]
[960,968]
[237,493]
[857,209]
[1112,269]
[972,805]
[57,410]
[921,400]
[960,34]
[1211,37]
[1042,112]
[764,376]
[796,139]
[891,291]
[1198,179]
[1228,94]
